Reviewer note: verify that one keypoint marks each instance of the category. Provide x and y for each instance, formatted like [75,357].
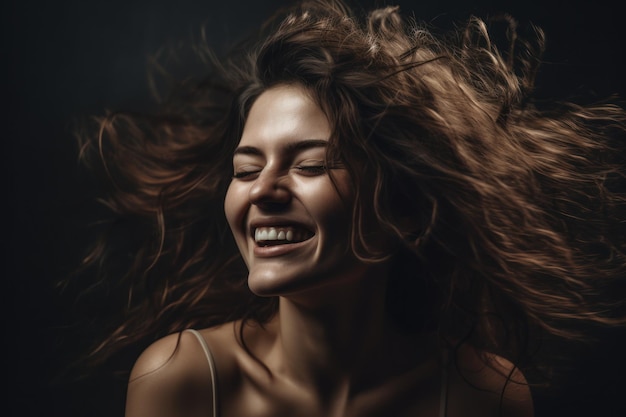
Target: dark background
[69,59]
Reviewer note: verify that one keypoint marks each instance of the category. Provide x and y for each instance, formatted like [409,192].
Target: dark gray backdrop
[73,58]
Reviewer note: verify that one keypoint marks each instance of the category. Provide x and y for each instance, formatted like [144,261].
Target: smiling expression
[290,220]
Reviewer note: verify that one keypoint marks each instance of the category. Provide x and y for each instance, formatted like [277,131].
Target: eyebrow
[291,147]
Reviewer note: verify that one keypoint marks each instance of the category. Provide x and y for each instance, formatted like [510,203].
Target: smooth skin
[331,350]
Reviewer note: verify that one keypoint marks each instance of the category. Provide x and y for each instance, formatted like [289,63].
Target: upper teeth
[276,233]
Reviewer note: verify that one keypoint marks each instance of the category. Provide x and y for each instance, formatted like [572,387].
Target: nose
[270,190]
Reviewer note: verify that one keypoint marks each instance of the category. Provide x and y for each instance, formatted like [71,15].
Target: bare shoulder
[172,376]
[489,383]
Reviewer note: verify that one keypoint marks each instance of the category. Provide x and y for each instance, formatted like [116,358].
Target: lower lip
[277,250]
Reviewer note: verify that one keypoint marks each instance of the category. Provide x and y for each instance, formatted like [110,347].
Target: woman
[406,224]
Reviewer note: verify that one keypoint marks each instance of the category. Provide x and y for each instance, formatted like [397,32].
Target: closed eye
[245,174]
[311,170]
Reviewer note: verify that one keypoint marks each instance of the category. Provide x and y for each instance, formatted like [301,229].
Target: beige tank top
[211,360]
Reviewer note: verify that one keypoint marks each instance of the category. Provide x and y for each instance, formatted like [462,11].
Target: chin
[270,282]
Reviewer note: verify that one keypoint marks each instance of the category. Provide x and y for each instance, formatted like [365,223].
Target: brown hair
[508,212]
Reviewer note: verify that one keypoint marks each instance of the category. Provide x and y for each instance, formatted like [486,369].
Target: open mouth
[272,236]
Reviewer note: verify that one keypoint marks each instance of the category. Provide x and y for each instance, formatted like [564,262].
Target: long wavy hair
[506,214]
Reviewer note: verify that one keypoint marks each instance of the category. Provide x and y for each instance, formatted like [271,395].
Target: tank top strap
[210,359]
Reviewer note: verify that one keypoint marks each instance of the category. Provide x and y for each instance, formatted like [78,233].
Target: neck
[339,339]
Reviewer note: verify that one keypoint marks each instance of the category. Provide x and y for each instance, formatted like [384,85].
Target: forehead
[284,113]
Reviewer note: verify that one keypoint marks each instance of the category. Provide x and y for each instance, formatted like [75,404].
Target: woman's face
[290,222]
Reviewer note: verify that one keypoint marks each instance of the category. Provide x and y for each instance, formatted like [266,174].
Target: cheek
[234,207]
[340,193]
[332,206]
